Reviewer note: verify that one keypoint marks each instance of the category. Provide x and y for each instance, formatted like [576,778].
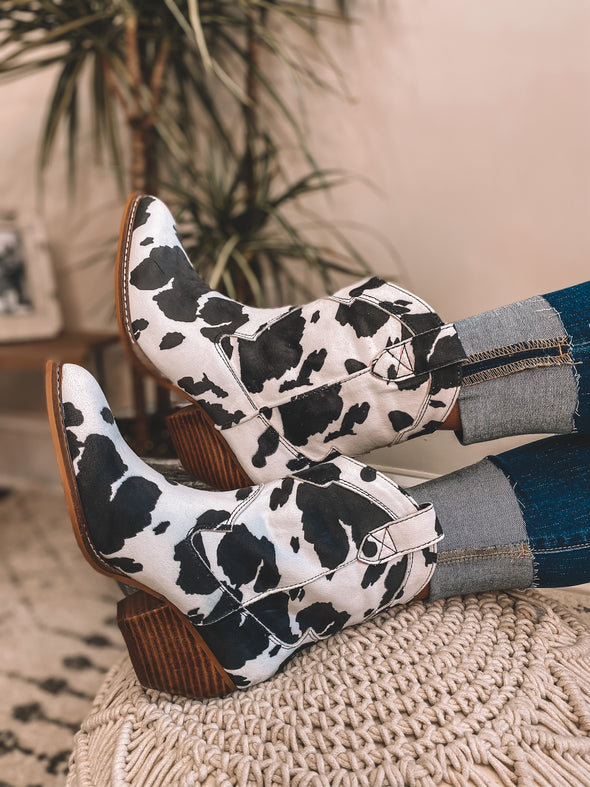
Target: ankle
[485,543]
[516,520]
[453,421]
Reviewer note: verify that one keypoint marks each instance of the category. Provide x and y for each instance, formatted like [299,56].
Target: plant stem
[251,111]
[134,116]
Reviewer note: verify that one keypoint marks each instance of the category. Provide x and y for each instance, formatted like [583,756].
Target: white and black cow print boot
[232,584]
[278,389]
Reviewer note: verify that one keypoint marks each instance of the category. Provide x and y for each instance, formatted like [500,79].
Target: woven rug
[58,639]
[480,690]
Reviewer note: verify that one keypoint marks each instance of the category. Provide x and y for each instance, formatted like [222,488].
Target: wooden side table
[79,348]
[26,454]
[76,347]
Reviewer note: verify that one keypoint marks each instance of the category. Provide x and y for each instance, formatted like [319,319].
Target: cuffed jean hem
[485,544]
[519,376]
[520,519]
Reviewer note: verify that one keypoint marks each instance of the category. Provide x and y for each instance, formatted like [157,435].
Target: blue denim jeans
[573,307]
[551,481]
[517,520]
[527,367]
[522,518]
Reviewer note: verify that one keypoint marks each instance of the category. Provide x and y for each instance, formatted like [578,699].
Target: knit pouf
[481,690]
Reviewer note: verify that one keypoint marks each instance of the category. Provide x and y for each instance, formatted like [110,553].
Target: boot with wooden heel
[231,584]
[277,390]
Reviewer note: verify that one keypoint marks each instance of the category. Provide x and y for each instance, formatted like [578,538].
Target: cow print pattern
[369,366]
[261,571]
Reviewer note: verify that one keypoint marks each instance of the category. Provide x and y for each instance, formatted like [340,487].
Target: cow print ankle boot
[231,584]
[276,390]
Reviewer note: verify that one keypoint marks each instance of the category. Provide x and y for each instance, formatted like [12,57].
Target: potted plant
[175,87]
[170,73]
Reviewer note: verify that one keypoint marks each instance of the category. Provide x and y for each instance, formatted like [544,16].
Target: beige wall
[80,229]
[473,120]
[74,225]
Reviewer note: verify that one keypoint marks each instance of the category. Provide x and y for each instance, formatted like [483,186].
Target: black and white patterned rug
[58,637]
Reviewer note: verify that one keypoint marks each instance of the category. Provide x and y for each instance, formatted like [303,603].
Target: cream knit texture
[480,690]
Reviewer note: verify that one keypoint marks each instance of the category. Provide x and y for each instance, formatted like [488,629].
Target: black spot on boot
[373,574]
[172,339]
[352,365]
[326,511]
[430,556]
[322,618]
[371,284]
[223,315]
[126,564]
[313,363]
[268,442]
[394,580]
[280,495]
[157,269]
[212,519]
[273,612]
[194,577]
[235,640]
[275,350]
[197,389]
[137,326]
[111,521]
[364,318]
[356,415]
[244,558]
[400,420]
[308,415]
[74,445]
[72,416]
[142,212]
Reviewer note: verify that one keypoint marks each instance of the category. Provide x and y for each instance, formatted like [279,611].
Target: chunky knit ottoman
[480,690]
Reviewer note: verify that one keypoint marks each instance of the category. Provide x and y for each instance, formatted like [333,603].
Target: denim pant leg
[520,519]
[573,307]
[551,481]
[527,369]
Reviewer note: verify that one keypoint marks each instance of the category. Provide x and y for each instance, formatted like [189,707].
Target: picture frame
[29,306]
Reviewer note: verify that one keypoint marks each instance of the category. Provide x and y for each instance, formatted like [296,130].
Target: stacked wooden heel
[202,451]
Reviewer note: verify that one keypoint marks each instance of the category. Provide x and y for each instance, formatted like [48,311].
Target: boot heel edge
[202,451]
[167,652]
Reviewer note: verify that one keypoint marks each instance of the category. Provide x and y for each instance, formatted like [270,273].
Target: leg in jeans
[517,520]
[244,578]
[527,368]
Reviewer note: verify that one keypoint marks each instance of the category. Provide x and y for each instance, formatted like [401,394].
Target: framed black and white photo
[29,308]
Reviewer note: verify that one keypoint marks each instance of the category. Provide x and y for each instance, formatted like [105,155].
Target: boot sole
[167,652]
[201,449]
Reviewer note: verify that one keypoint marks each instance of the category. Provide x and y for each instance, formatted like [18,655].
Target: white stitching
[126,256]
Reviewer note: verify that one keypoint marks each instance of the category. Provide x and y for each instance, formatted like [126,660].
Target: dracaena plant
[164,79]
[244,226]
